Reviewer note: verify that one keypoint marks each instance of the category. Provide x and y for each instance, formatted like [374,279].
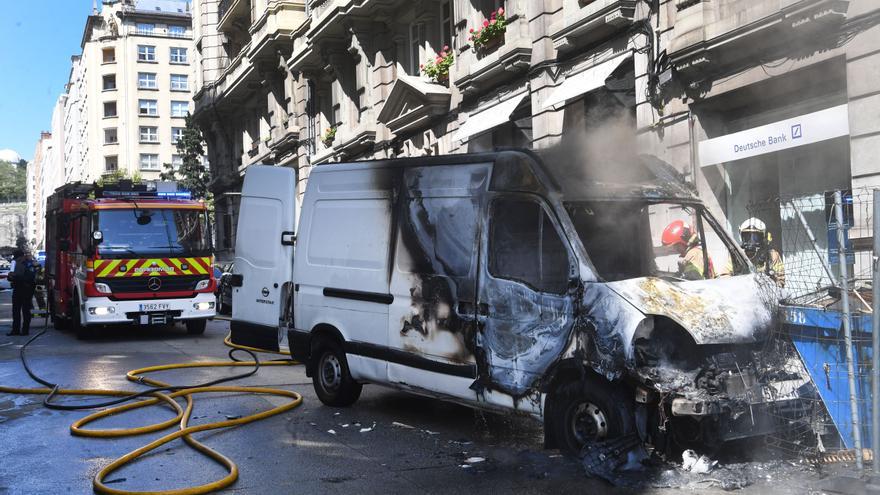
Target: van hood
[727,310]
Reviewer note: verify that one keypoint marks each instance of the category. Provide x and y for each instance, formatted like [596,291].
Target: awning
[489,118]
[586,81]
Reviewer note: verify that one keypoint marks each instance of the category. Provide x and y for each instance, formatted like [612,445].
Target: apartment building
[35,171]
[304,83]
[129,90]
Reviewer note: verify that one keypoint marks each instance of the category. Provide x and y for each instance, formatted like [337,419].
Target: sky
[37,39]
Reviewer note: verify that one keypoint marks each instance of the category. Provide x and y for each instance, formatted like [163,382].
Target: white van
[485,280]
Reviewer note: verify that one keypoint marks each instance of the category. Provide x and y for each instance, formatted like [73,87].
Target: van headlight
[203,306]
[203,284]
[102,288]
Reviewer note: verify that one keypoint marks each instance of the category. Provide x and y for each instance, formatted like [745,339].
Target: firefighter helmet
[753,235]
[677,232]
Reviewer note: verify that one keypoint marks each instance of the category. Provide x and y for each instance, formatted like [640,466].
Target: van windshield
[155,232]
[638,238]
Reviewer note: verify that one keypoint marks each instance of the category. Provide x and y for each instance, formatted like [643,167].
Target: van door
[263,256]
[432,323]
[525,297]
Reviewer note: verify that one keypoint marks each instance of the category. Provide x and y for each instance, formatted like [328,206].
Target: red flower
[445,48]
[492,16]
[493,21]
[485,23]
[472,30]
[421,66]
[500,10]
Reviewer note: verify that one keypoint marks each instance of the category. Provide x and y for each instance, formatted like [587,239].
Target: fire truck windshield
[146,231]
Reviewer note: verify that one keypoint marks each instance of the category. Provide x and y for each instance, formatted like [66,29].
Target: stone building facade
[305,83]
[129,90]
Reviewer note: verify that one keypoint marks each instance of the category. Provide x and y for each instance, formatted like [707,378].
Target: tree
[13,182]
[192,174]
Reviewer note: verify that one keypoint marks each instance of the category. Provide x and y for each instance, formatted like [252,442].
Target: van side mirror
[64,245]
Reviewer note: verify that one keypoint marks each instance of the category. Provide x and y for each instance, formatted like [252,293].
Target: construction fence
[822,285]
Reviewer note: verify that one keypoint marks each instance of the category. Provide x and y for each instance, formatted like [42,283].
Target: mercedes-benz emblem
[154,284]
[265,292]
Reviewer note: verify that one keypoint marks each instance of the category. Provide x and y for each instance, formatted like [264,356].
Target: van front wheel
[588,412]
[331,378]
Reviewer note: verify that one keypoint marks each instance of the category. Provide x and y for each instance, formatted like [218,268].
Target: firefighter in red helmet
[681,237]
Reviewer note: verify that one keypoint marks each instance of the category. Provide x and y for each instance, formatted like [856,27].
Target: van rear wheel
[331,378]
[588,412]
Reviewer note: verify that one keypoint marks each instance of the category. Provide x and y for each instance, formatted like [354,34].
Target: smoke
[598,144]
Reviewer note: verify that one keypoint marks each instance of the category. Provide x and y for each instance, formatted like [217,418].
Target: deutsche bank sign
[807,129]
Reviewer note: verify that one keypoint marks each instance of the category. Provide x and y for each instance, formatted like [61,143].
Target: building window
[110,136]
[147,80]
[447,23]
[109,109]
[109,82]
[179,108]
[109,55]
[148,107]
[176,134]
[178,55]
[149,161]
[177,31]
[149,134]
[176,161]
[111,164]
[146,53]
[416,37]
[146,29]
[179,82]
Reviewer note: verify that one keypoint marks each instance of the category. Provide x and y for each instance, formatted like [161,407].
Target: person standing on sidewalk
[24,281]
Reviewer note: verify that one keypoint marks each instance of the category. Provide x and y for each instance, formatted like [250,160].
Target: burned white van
[484,279]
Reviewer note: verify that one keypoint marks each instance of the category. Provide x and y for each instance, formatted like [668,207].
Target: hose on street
[161,393]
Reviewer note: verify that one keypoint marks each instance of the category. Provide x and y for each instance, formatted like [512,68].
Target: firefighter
[681,237]
[755,241]
[23,279]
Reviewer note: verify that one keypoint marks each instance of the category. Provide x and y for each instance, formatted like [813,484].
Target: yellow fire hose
[182,418]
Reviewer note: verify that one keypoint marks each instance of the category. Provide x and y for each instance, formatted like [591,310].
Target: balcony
[275,27]
[476,71]
[235,15]
[588,21]
[731,32]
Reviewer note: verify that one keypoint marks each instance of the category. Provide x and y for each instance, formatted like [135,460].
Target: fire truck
[128,254]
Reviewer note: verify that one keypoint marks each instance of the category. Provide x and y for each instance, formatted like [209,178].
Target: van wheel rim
[331,372]
[588,423]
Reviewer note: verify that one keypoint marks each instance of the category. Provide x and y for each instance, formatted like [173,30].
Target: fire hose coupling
[203,306]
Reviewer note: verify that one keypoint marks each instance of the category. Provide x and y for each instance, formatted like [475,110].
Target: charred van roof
[637,176]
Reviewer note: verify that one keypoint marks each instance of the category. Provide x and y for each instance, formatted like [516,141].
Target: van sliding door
[432,321]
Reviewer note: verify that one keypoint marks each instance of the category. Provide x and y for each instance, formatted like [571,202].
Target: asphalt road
[388,442]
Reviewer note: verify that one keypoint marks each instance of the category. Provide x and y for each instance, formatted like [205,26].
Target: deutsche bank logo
[796,131]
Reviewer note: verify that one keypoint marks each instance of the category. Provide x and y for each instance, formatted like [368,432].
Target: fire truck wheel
[195,327]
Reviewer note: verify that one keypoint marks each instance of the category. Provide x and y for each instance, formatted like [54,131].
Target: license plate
[154,307]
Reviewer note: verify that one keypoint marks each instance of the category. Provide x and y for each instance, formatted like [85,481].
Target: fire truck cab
[128,254]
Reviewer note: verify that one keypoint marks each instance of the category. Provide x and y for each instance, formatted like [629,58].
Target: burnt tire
[196,327]
[331,378]
[585,412]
